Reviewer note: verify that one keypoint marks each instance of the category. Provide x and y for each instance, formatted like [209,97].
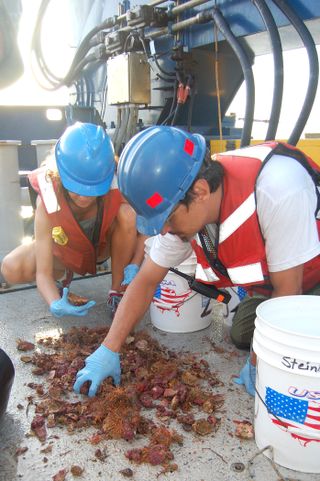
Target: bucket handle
[311,433]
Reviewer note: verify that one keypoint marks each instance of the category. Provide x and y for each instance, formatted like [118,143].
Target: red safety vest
[241,250]
[78,253]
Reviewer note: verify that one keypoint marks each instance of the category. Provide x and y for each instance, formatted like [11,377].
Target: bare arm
[44,256]
[288,282]
[139,252]
[134,304]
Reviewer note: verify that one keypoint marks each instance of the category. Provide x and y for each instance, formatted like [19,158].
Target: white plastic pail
[176,307]
[287,409]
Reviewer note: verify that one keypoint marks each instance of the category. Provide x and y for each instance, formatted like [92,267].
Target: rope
[216,73]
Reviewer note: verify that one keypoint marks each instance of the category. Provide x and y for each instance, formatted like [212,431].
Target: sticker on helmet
[154,200]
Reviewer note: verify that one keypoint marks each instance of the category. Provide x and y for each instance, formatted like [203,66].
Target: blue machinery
[179,63]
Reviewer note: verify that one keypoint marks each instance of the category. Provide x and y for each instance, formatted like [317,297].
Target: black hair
[211,171]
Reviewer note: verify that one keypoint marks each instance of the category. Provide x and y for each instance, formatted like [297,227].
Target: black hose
[168,80]
[173,103]
[162,70]
[313,69]
[78,71]
[247,73]
[86,44]
[276,48]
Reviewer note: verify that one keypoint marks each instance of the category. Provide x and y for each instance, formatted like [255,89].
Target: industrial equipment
[192,56]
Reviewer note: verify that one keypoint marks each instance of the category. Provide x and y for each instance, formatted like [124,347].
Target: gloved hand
[113,300]
[247,377]
[62,307]
[101,364]
[130,272]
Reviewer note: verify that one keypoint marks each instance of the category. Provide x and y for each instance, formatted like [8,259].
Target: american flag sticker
[166,299]
[288,412]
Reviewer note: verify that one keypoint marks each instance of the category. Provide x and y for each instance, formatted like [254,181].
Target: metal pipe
[313,69]
[11,232]
[247,72]
[175,10]
[276,48]
[43,149]
[199,18]
[185,6]
[153,3]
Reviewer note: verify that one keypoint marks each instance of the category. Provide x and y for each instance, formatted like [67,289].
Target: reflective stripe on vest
[47,193]
[237,218]
[246,274]
[249,273]
[205,274]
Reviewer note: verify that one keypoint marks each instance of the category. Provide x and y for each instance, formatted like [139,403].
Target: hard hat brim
[95,190]
[152,226]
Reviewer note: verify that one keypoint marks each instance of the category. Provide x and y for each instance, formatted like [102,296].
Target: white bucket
[287,410]
[176,307]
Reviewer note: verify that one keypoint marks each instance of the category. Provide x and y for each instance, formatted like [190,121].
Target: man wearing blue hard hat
[81,219]
[249,215]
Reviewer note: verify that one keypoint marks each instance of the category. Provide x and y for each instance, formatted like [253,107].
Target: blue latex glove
[247,377]
[130,272]
[62,307]
[101,364]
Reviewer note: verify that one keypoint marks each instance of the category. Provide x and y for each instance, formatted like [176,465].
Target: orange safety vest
[241,257]
[76,252]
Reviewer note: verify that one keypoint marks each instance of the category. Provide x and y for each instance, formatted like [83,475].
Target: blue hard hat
[85,159]
[155,170]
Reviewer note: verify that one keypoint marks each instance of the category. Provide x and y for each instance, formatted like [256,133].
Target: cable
[247,72]
[313,69]
[169,74]
[136,34]
[78,61]
[122,130]
[118,123]
[104,96]
[174,98]
[176,114]
[190,110]
[216,72]
[169,80]
[276,48]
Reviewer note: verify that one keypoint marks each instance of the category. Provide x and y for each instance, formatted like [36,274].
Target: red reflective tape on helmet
[154,200]
[188,147]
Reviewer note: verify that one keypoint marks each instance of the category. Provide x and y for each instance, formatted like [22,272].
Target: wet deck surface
[217,457]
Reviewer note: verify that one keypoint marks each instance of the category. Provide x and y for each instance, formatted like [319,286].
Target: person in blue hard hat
[250,216]
[81,219]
